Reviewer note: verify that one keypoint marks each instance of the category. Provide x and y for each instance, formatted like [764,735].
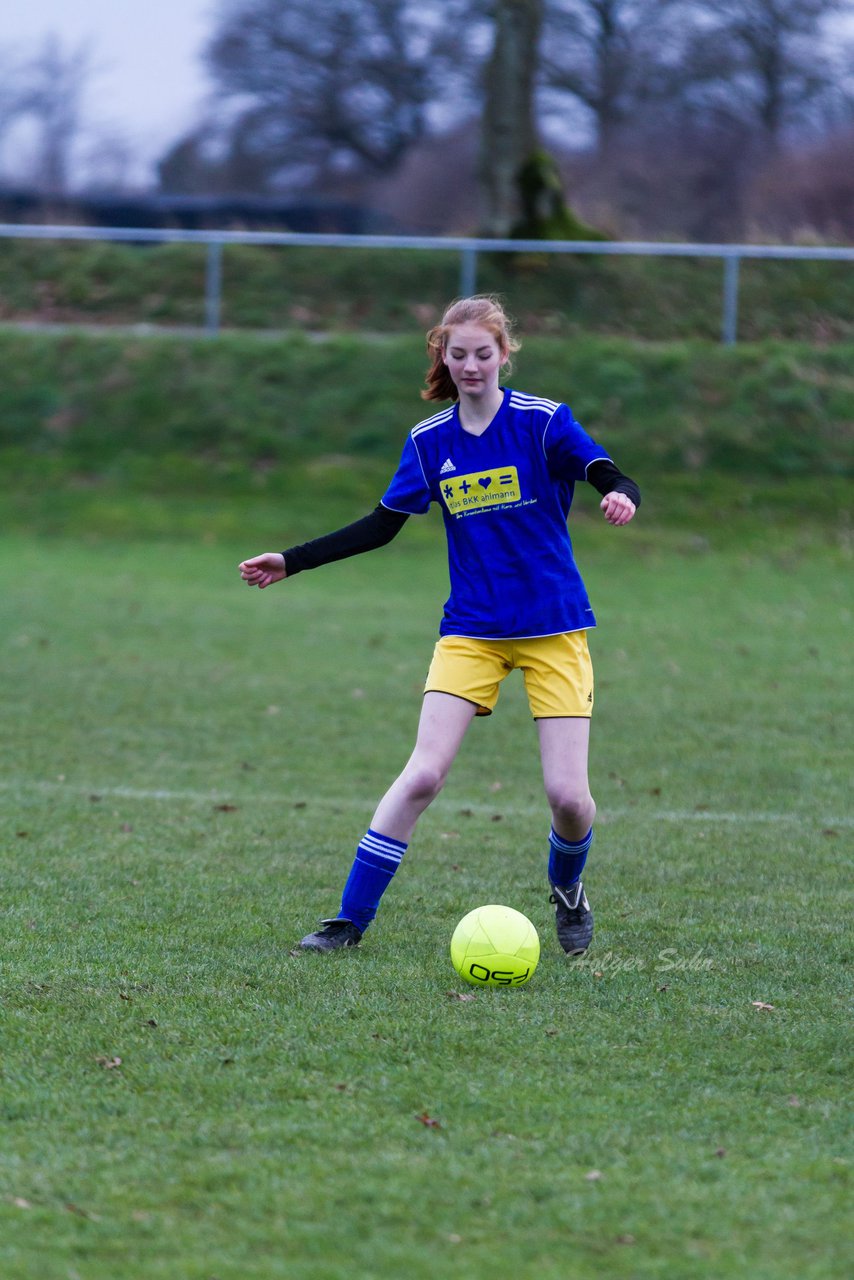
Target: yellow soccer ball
[495,947]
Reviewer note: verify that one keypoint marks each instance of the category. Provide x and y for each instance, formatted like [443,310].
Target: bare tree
[766,60]
[612,56]
[310,98]
[51,92]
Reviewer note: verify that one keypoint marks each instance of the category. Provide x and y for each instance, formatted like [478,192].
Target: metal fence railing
[730,255]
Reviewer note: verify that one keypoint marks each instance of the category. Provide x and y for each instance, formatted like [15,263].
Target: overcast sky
[147,83]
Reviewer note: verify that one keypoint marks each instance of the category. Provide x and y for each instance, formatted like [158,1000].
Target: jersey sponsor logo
[446,466]
[481,489]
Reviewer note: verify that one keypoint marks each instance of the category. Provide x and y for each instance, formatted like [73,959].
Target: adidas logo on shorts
[446,466]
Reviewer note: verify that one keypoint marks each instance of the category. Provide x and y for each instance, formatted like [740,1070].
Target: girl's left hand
[618,508]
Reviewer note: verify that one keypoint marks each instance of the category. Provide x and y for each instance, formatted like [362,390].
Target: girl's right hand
[262,571]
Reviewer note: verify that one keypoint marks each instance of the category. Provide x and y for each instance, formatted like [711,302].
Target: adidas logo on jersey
[446,466]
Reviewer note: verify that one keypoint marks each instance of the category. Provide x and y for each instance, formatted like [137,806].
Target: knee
[423,782]
[572,809]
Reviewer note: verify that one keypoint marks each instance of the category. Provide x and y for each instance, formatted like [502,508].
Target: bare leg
[441,729]
[564,743]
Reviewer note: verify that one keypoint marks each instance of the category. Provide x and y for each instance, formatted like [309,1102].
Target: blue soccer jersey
[505,497]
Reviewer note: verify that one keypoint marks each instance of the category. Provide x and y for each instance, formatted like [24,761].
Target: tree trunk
[509,131]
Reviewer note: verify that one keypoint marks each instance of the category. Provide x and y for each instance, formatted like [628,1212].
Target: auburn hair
[483,309]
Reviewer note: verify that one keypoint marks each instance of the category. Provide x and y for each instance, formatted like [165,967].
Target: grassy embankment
[282,436]
[671,299]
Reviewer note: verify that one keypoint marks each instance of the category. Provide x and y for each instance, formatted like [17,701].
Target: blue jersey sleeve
[409,490]
[568,448]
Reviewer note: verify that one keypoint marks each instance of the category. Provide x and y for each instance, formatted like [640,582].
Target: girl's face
[474,358]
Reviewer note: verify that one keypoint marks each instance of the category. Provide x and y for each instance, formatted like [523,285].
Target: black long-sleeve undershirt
[382,524]
[606,478]
[372,531]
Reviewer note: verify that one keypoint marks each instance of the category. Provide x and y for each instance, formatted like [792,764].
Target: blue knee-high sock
[377,859]
[567,858]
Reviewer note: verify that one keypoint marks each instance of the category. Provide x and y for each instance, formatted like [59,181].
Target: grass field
[186,766]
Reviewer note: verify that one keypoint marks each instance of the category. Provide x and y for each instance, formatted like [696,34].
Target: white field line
[447,807]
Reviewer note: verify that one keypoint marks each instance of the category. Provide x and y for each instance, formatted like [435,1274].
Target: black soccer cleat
[334,934]
[573,918]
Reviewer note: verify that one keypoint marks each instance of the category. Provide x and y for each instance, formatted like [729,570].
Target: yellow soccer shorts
[557,670]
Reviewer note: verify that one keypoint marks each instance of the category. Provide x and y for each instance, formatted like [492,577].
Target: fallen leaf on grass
[626,1239]
[794,1100]
[70,1207]
[720,1152]
[22,835]
[20,1203]
[461,995]
[225,808]
[428,1121]
[497,817]
[593,1176]
[109,1064]
[760,1004]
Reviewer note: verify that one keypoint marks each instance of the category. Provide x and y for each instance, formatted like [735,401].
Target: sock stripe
[387,841]
[570,846]
[378,861]
[380,849]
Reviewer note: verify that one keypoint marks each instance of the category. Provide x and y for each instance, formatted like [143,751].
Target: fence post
[468,272]
[729,329]
[213,286]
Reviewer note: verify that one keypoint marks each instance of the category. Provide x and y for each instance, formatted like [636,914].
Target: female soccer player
[502,466]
